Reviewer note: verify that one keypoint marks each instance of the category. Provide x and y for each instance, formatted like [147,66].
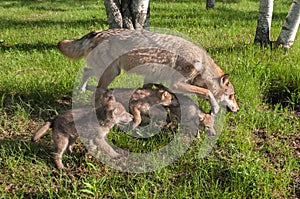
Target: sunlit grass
[256,153]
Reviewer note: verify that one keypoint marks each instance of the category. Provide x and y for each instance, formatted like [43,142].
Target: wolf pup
[65,134]
[143,99]
[130,49]
[139,102]
[183,109]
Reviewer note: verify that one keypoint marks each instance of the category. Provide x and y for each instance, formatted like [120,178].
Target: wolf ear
[224,80]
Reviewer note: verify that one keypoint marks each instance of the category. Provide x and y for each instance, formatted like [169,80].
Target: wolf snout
[233,109]
[211,132]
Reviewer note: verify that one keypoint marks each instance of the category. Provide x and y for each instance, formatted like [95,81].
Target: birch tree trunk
[210,4]
[139,12]
[289,29]
[263,29]
[127,18]
[130,14]
[113,12]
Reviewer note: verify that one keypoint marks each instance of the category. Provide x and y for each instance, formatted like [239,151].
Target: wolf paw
[215,109]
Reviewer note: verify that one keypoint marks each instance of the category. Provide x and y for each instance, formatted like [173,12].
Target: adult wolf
[109,51]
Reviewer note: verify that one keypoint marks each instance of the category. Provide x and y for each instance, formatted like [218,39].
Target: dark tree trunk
[210,4]
[262,35]
[113,12]
[126,13]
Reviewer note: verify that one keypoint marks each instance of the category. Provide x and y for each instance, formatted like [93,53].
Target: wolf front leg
[87,73]
[200,92]
[109,74]
[103,146]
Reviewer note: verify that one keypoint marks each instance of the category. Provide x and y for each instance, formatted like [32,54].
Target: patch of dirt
[273,146]
[287,95]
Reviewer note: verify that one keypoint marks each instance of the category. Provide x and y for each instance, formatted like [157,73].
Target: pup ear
[224,80]
[201,117]
[115,111]
[163,94]
[111,98]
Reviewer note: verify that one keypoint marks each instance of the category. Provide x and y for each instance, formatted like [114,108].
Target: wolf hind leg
[61,143]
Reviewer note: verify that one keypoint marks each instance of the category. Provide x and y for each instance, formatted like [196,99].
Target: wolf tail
[78,48]
[41,131]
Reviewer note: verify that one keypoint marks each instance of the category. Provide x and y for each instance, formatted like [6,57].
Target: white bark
[139,12]
[264,22]
[113,12]
[290,27]
[130,14]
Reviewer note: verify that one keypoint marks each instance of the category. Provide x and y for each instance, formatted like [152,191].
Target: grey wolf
[130,49]
[64,131]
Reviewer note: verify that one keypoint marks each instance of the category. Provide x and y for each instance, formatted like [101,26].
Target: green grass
[256,156]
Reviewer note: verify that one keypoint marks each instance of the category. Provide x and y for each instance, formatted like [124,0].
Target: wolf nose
[232,109]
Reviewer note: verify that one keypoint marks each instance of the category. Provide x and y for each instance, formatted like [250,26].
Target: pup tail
[79,48]
[42,131]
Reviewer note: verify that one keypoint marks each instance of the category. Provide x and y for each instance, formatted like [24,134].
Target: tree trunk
[264,22]
[139,12]
[126,12]
[210,4]
[113,12]
[130,14]
[289,29]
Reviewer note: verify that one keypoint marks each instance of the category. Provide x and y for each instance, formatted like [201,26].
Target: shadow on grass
[285,94]
[34,151]
[220,16]
[38,104]
[53,5]
[7,23]
[28,47]
[227,49]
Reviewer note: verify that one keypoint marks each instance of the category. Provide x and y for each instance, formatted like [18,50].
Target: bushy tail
[71,48]
[79,48]
[42,131]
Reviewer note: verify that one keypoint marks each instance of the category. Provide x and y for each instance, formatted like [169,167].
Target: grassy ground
[256,156]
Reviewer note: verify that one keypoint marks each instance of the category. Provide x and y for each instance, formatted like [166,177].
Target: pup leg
[101,142]
[70,145]
[61,142]
[137,117]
